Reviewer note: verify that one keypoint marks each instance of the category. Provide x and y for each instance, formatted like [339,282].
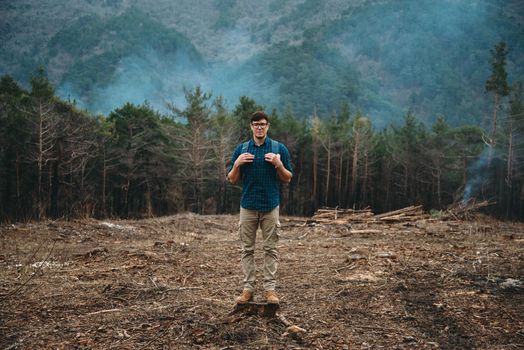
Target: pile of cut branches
[336,216]
[411,213]
[464,210]
[341,216]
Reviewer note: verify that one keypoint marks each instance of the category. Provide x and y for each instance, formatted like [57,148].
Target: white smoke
[479,176]
[158,79]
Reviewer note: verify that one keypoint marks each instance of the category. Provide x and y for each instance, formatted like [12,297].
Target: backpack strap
[274,146]
[245,145]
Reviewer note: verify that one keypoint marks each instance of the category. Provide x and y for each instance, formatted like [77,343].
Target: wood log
[399,211]
[344,211]
[404,218]
[330,221]
[397,217]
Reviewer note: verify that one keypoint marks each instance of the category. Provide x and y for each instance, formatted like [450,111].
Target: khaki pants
[250,221]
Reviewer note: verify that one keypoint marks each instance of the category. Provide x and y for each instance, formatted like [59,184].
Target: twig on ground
[15,291]
[350,267]
[304,235]
[103,312]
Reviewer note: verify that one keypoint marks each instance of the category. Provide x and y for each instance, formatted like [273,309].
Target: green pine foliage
[97,47]
[310,77]
[59,161]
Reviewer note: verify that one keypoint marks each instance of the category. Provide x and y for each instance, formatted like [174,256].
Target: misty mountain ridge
[382,57]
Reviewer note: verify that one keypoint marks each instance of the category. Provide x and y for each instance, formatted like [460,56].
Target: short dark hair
[259,115]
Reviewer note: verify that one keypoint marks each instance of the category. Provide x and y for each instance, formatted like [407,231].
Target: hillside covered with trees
[384,58]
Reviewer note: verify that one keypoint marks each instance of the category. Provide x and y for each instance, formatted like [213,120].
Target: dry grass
[169,283]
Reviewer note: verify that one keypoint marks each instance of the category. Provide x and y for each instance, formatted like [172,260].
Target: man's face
[260,128]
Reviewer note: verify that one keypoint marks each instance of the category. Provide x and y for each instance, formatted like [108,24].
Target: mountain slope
[383,57]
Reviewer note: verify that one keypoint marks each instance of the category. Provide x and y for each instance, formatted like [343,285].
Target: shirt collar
[266,141]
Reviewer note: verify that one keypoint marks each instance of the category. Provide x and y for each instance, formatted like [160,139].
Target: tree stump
[256,308]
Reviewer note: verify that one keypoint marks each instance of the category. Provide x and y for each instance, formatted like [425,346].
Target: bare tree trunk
[45,130]
[315,175]
[494,119]
[55,188]
[17,180]
[509,169]
[222,160]
[354,169]
[493,128]
[346,181]
[388,190]
[521,201]
[406,176]
[104,183]
[85,206]
[223,157]
[439,188]
[366,175]
[40,166]
[328,171]
[149,205]
[126,196]
[339,176]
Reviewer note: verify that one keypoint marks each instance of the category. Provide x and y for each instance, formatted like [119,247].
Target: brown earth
[169,283]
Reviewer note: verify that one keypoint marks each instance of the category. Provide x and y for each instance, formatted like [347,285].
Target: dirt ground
[170,283]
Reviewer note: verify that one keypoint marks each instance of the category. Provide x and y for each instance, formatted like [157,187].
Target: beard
[260,137]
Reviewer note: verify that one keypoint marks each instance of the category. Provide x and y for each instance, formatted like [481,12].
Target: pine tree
[144,158]
[194,147]
[498,85]
[45,122]
[515,150]
[224,137]
[14,135]
[242,113]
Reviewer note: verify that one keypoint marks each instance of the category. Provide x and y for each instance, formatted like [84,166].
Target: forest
[61,161]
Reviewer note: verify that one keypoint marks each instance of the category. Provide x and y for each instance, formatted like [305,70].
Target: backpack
[274,147]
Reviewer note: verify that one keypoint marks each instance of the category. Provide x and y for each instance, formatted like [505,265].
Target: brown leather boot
[245,297]
[271,297]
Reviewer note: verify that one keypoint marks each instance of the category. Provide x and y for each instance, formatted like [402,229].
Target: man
[262,164]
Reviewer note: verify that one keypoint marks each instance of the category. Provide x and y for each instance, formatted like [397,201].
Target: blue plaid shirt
[260,183]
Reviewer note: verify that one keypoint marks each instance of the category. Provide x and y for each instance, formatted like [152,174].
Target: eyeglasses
[259,125]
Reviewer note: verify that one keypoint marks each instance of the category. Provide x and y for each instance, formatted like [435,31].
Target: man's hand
[283,174]
[234,174]
[244,158]
[273,159]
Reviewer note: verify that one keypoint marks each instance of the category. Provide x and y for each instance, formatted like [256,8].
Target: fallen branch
[365,231]
[350,266]
[304,235]
[103,312]
[180,289]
